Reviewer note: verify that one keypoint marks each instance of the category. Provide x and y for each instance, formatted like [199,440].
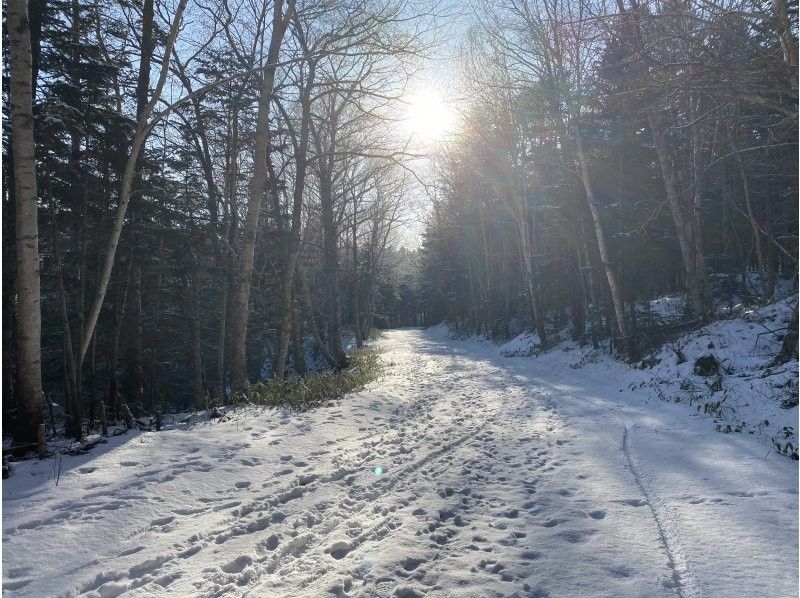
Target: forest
[193,192]
[611,154]
[198,197]
[400,298]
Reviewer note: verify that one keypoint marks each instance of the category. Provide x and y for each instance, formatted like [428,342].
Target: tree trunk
[297,336]
[330,250]
[91,381]
[293,249]
[611,275]
[525,229]
[323,350]
[139,138]
[356,291]
[73,427]
[789,345]
[138,374]
[285,318]
[146,56]
[223,317]
[682,227]
[9,298]
[197,351]
[120,300]
[29,317]
[244,269]
[696,228]
[36,10]
[758,241]
[788,43]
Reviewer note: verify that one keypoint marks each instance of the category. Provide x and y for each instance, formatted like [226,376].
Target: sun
[428,116]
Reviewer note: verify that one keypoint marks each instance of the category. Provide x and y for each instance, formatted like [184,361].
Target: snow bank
[743,396]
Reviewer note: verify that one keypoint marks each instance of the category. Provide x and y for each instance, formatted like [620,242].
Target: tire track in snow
[684,581]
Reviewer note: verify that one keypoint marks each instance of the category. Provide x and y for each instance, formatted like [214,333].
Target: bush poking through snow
[318,389]
[706,365]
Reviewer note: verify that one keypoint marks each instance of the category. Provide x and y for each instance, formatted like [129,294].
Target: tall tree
[244,267]
[29,324]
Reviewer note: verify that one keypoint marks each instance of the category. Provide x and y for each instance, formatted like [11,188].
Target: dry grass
[318,389]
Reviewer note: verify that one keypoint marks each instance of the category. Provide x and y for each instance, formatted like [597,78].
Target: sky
[432,110]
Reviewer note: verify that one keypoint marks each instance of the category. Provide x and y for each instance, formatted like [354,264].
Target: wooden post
[103,418]
[158,420]
[42,447]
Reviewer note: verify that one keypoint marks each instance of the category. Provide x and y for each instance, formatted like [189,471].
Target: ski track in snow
[496,479]
[685,584]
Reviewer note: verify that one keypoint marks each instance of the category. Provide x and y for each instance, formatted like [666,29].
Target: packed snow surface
[460,473]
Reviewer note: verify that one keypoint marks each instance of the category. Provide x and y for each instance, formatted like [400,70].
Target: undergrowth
[317,389]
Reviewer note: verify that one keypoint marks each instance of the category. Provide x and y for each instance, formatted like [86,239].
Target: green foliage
[317,389]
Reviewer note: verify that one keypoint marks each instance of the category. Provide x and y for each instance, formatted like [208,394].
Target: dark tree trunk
[29,319]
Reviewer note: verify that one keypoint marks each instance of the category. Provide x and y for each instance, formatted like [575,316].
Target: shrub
[317,389]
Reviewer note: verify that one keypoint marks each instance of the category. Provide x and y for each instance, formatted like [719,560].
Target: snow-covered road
[460,473]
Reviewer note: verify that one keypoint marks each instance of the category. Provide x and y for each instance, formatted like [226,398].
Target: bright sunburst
[429,116]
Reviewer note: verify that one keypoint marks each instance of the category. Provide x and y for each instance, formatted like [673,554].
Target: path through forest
[459,473]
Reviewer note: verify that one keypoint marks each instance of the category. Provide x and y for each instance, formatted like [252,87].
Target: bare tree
[244,268]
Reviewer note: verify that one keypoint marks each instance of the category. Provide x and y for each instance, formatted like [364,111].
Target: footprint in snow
[339,550]
[272,542]
[632,502]
[408,592]
[162,521]
[530,555]
[620,571]
[411,563]
[189,511]
[237,565]
[16,584]
[576,536]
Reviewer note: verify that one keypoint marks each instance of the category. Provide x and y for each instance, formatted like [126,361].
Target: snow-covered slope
[742,396]
[460,473]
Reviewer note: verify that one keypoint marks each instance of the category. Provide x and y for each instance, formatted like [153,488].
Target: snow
[461,472]
[749,395]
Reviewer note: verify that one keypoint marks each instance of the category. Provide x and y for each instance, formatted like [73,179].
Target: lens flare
[429,116]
